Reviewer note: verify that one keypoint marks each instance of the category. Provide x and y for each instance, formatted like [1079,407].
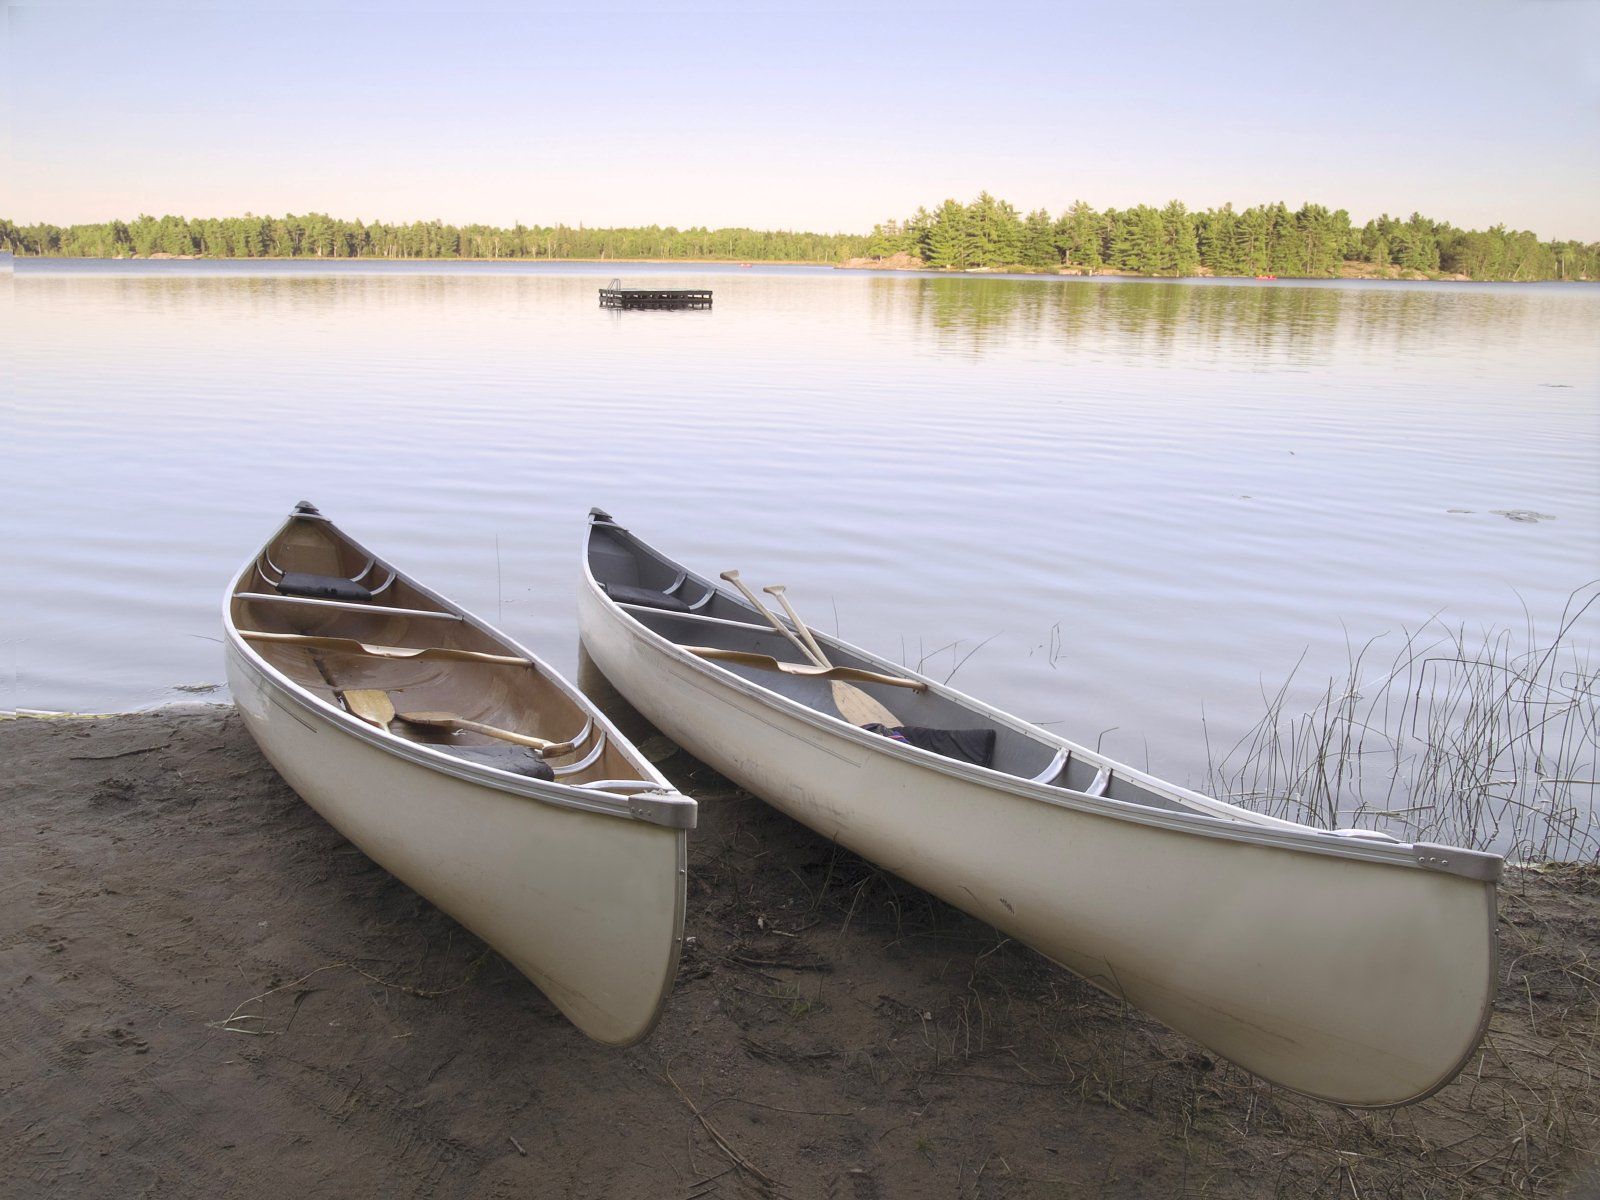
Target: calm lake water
[1154,497]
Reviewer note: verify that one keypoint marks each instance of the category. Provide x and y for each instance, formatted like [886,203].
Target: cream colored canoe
[569,861]
[1344,965]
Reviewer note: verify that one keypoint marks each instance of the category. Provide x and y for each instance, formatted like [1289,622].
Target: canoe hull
[1358,982]
[587,905]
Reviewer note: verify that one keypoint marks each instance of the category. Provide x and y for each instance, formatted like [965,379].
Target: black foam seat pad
[506,757]
[975,746]
[647,597]
[321,587]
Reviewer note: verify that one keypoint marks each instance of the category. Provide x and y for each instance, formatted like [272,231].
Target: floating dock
[615,295]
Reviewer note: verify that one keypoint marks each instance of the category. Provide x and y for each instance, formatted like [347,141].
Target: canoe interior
[517,697]
[616,557]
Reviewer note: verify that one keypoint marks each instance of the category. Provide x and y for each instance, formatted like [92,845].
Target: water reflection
[1301,324]
[1180,487]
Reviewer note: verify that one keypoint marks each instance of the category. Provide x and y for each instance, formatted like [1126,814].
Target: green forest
[1269,239]
[316,235]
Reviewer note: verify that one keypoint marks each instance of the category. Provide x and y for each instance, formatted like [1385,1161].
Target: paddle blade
[370,704]
[858,708]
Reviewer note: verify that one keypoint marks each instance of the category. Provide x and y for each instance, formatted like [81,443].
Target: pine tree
[949,241]
[1080,237]
[1039,241]
[1180,255]
[1218,238]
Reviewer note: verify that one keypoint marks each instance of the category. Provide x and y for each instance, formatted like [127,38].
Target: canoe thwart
[382,610]
[767,663]
[351,646]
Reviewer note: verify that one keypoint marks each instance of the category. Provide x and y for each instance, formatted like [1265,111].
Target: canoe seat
[623,593]
[321,587]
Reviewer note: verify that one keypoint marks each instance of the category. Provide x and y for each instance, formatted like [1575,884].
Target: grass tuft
[1486,740]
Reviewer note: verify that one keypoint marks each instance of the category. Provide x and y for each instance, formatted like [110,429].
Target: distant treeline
[1269,239]
[316,235]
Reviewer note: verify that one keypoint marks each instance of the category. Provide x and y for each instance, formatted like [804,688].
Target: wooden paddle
[781,592]
[370,704]
[375,706]
[853,704]
[816,658]
[455,724]
[767,663]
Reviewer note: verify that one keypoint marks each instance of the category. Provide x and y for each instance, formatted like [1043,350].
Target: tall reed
[1486,740]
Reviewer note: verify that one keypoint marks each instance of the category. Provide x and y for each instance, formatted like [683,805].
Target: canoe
[1342,964]
[564,850]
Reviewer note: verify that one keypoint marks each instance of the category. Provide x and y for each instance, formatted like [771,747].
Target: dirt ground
[833,1033]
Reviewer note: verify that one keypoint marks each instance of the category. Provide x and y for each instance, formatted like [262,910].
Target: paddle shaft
[457,724]
[794,640]
[853,704]
[767,663]
[781,592]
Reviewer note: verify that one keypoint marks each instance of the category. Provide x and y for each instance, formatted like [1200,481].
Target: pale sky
[823,119]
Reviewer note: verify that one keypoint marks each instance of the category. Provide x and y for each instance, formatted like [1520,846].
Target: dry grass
[1485,740]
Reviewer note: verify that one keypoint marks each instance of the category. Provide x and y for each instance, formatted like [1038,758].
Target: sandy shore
[844,1035]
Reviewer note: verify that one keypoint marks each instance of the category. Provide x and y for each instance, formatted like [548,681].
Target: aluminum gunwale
[668,808]
[1249,829]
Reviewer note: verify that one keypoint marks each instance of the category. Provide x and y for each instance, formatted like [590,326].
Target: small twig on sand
[739,1160]
[227,1023]
[706,1186]
[119,753]
[518,1145]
